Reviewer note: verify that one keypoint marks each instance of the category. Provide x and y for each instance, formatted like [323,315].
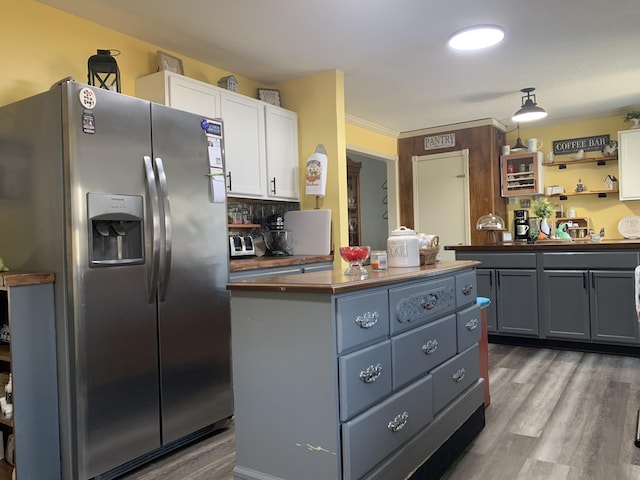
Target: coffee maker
[521,225]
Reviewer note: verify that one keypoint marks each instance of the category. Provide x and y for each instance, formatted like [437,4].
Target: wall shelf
[598,160]
[242,226]
[599,193]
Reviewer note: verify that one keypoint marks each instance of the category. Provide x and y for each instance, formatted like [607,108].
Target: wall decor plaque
[587,144]
[445,140]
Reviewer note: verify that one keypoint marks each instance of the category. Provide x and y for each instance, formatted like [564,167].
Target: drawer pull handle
[430,347]
[467,289]
[399,422]
[371,374]
[459,375]
[429,301]
[367,320]
[472,324]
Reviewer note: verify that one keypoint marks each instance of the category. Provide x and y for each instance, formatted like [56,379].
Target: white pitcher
[533,144]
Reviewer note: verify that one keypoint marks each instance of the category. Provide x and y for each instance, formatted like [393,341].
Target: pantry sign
[587,144]
[446,140]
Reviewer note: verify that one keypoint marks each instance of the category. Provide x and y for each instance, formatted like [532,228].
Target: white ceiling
[583,57]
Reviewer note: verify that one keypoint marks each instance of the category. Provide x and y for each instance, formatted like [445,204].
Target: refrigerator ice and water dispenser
[116,229]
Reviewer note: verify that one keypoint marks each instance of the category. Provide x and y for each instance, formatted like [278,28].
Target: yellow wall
[42,45]
[361,137]
[321,121]
[603,212]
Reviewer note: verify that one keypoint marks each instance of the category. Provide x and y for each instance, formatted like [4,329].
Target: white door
[441,198]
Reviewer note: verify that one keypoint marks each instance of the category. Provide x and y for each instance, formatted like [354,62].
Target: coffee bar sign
[446,140]
[587,144]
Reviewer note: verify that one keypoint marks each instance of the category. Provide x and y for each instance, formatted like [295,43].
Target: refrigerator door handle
[166,220]
[154,216]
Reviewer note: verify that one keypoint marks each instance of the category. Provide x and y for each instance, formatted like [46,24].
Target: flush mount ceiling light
[530,110]
[476,37]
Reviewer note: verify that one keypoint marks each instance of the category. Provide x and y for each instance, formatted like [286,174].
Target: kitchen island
[338,377]
[578,294]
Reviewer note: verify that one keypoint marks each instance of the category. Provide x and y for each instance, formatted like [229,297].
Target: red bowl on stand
[355,257]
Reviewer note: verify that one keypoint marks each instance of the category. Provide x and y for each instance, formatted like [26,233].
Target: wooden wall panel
[484,173]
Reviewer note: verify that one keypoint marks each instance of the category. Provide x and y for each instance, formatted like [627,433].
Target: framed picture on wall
[269,96]
[169,63]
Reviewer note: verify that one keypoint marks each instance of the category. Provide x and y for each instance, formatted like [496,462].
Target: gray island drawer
[365,377]
[454,376]
[372,436]
[469,327]
[362,319]
[416,352]
[466,288]
[413,305]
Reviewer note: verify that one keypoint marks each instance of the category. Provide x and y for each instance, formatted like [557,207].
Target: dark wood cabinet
[353,199]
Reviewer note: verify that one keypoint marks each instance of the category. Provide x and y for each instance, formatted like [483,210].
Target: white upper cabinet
[629,164]
[178,91]
[282,153]
[244,144]
[261,140]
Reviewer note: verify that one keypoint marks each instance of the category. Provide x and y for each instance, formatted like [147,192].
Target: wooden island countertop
[335,281]
[551,246]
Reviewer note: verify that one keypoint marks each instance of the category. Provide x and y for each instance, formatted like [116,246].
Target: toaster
[241,246]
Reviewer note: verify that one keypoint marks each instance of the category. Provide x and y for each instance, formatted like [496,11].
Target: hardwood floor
[554,415]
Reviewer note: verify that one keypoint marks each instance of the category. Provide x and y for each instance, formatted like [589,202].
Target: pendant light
[530,110]
[519,145]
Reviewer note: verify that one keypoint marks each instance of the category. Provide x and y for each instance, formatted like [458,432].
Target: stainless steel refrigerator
[116,196]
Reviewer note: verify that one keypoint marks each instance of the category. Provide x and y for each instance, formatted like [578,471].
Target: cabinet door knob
[467,289]
[472,324]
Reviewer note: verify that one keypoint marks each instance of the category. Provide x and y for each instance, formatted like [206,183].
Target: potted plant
[633,116]
[543,209]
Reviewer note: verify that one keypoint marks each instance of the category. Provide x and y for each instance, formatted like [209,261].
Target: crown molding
[367,125]
[455,126]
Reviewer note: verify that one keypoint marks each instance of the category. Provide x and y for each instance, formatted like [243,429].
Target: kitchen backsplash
[245,211]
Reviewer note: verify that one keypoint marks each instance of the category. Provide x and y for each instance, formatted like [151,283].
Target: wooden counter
[253,263]
[551,245]
[335,281]
[13,279]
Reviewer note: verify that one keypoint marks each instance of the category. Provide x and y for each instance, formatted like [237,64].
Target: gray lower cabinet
[27,308]
[590,297]
[565,298]
[613,314]
[510,281]
[365,384]
[277,271]
[486,288]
